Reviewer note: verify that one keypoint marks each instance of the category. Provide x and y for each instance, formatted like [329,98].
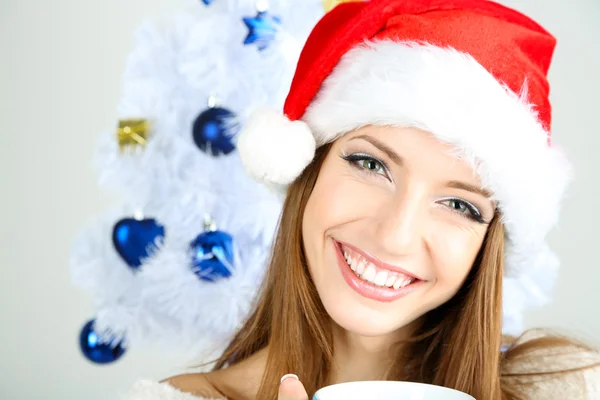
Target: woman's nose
[401,224]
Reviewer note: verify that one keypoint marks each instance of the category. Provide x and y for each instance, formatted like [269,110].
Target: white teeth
[390,281]
[369,274]
[360,268]
[398,282]
[380,278]
[353,265]
[402,281]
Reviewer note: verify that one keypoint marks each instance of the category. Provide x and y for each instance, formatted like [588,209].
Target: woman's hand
[291,388]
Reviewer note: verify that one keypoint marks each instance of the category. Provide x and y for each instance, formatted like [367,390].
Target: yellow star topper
[132,133]
[329,5]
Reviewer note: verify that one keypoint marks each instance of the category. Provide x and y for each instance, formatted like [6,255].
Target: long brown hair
[457,346]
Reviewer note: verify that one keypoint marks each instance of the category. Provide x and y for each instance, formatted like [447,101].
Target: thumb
[291,388]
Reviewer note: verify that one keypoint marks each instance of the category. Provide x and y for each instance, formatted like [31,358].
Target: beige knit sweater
[578,385]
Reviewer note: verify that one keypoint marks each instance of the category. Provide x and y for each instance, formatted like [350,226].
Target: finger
[291,388]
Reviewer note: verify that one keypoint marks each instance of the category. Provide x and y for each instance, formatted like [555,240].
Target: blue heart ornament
[135,240]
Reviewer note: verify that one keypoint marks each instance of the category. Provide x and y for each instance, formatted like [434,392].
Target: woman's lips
[375,261]
[367,289]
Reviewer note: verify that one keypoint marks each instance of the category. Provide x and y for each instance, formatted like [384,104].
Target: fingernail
[283,378]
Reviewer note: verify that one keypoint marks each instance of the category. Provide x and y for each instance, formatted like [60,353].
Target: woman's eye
[458,206]
[372,165]
[463,208]
[366,163]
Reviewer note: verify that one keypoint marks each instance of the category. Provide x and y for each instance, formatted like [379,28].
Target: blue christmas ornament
[207,2]
[214,130]
[96,352]
[262,29]
[212,254]
[135,239]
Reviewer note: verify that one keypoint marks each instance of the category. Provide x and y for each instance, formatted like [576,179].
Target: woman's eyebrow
[470,188]
[395,157]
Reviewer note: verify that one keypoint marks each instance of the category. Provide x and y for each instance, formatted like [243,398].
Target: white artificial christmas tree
[177,70]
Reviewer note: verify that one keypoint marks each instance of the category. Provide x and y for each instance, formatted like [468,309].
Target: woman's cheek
[453,251]
[344,199]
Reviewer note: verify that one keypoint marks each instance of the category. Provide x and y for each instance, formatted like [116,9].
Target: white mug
[388,390]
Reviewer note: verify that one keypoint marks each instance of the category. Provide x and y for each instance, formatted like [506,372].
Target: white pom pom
[274,149]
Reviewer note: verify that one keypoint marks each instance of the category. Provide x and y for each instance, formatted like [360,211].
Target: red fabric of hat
[511,46]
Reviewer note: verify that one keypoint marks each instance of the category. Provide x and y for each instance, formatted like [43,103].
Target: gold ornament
[329,5]
[133,132]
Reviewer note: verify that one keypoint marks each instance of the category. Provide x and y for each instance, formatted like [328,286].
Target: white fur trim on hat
[274,149]
[449,94]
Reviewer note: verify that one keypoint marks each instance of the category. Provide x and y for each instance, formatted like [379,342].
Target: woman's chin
[363,321]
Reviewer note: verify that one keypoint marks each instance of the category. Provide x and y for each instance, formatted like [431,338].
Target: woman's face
[392,227]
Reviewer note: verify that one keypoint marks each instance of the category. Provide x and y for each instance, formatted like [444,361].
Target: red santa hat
[473,73]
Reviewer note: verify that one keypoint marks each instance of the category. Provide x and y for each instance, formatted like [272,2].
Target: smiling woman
[420,182]
[381,223]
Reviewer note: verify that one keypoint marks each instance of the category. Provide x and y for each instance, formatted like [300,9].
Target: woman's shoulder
[545,365]
[238,382]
